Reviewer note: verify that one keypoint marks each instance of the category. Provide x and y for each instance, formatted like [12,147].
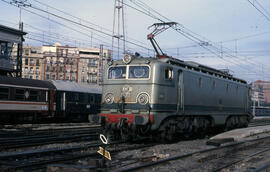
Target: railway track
[223,158]
[259,122]
[39,159]
[48,136]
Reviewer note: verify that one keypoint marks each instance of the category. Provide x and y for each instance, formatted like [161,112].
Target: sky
[237,34]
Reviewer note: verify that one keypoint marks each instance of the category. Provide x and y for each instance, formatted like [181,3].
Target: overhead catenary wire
[76,30]
[80,19]
[74,22]
[267,16]
[189,34]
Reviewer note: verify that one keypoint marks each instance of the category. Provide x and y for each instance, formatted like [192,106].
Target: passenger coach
[24,99]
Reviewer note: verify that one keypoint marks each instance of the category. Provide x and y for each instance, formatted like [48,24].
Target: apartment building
[75,64]
[262,91]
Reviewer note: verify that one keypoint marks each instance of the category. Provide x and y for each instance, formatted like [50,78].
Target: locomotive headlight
[109,98]
[127,58]
[143,98]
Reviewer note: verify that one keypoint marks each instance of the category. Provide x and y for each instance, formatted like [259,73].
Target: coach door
[180,89]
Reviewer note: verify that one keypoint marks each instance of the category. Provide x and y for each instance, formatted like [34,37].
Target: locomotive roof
[188,65]
[201,68]
[27,83]
[76,87]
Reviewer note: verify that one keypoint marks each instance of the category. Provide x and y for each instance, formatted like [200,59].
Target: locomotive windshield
[117,72]
[138,72]
[134,72]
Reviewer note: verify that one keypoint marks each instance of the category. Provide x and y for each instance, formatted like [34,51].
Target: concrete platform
[238,135]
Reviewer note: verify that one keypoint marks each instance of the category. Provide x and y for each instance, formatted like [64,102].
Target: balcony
[92,65]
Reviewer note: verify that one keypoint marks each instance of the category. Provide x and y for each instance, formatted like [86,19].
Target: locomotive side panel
[220,98]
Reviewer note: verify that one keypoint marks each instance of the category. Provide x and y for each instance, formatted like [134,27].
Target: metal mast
[100,66]
[118,6]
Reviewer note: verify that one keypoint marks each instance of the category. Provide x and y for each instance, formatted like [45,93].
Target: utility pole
[118,6]
[20,4]
[100,66]
[19,54]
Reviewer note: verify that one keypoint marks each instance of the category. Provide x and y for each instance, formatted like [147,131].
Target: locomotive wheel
[168,131]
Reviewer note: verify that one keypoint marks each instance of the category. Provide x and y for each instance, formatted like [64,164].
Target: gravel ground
[161,151]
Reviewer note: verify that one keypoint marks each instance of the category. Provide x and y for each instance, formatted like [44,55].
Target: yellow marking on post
[105,153]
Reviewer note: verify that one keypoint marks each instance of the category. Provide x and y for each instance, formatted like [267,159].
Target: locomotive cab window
[138,72]
[117,72]
[168,74]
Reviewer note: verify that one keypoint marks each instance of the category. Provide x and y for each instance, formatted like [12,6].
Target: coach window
[168,74]
[19,94]
[43,96]
[92,98]
[76,96]
[4,92]
[34,95]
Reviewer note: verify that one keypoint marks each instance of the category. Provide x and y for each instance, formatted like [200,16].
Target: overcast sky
[233,26]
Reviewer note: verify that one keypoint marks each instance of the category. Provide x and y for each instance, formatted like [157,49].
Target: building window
[83,69]
[31,70]
[26,69]
[53,77]
[47,76]
[37,70]
[26,61]
[37,77]
[26,52]
[48,68]
[83,79]
[227,88]
[31,62]
[37,62]
[31,76]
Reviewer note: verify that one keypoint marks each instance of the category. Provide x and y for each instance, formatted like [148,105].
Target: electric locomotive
[167,98]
